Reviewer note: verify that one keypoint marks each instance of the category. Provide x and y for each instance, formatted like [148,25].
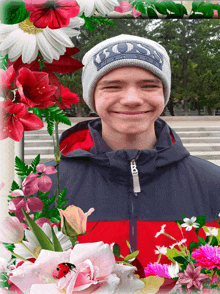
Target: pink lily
[135,12]
[16,204]
[124,7]
[33,182]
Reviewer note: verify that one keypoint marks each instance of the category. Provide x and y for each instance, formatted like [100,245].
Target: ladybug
[62,270]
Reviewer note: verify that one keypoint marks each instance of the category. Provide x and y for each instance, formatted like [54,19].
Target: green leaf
[9,246]
[180,259]
[89,23]
[116,250]
[171,6]
[41,237]
[50,123]
[140,7]
[56,244]
[151,13]
[61,201]
[55,220]
[38,112]
[193,245]
[161,8]
[171,254]
[13,12]
[14,186]
[124,262]
[58,115]
[3,61]
[179,222]
[202,240]
[22,169]
[132,255]
[35,162]
[206,8]
[182,9]
[201,221]
[69,231]
[3,280]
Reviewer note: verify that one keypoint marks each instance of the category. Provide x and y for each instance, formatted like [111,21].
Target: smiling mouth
[132,113]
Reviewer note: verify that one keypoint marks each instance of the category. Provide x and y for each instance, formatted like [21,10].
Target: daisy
[33,245]
[24,39]
[103,6]
[190,223]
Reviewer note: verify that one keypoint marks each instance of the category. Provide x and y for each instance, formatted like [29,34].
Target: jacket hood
[84,140]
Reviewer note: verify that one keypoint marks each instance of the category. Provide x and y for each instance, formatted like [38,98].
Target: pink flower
[157,269]
[11,230]
[15,119]
[192,278]
[34,89]
[95,269]
[76,218]
[207,256]
[124,7]
[135,12]
[67,97]
[54,14]
[33,182]
[6,79]
[16,204]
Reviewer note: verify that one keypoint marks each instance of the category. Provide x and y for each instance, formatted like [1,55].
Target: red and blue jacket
[135,192]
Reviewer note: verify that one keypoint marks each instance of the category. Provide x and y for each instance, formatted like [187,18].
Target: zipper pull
[136,182]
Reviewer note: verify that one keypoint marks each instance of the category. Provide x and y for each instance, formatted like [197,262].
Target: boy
[129,164]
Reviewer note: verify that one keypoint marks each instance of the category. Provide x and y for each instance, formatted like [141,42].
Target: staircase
[200,136]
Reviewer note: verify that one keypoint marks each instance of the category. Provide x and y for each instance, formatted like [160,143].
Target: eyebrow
[106,82]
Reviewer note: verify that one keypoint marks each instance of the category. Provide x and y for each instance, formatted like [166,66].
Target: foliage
[13,12]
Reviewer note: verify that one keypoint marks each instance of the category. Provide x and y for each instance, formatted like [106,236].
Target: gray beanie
[124,50]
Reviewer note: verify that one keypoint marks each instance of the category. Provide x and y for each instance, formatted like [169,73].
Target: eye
[112,87]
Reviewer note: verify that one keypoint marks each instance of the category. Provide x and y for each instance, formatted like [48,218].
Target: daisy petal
[29,52]
[60,37]
[12,38]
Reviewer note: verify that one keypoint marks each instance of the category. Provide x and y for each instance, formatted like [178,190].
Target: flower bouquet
[197,268]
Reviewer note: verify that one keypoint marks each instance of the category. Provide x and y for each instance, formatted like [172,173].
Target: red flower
[18,64]
[68,98]
[53,81]
[15,119]
[54,14]
[34,89]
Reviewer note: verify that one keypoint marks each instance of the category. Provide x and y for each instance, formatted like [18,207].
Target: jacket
[135,192]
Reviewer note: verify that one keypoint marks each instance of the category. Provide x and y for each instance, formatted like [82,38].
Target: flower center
[63,291]
[37,250]
[51,4]
[29,28]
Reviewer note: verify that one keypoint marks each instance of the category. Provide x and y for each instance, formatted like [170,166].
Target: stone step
[200,140]
[199,134]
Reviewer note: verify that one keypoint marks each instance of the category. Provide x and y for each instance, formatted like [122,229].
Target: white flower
[11,230]
[161,250]
[95,266]
[173,270]
[33,245]
[103,6]
[161,231]
[219,215]
[212,232]
[178,243]
[190,223]
[25,39]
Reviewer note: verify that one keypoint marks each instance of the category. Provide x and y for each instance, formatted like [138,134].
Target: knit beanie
[124,50]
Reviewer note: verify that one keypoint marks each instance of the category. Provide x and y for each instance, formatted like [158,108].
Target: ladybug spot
[64,272]
[58,269]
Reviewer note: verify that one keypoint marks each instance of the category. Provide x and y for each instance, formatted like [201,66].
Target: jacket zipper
[136,189]
[134,172]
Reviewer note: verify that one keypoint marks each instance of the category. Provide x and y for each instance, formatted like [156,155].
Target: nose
[131,97]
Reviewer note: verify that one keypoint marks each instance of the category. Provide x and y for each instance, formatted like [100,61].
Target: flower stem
[18,256]
[159,257]
[57,158]
[28,250]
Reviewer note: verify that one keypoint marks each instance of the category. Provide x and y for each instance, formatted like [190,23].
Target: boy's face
[129,99]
